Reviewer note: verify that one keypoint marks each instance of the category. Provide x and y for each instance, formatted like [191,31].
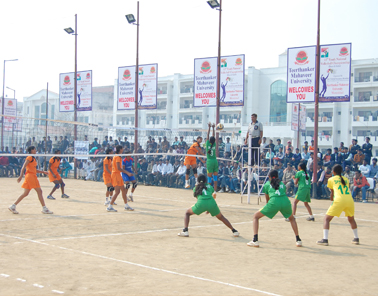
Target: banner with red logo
[67,89]
[301,74]
[335,69]
[8,127]
[147,87]
[231,81]
[205,82]
[10,109]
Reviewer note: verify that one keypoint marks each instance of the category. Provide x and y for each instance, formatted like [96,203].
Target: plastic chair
[370,192]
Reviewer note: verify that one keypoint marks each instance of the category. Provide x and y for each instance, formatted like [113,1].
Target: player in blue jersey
[129,176]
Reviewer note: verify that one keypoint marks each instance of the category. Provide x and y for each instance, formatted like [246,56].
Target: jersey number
[306,182]
[341,189]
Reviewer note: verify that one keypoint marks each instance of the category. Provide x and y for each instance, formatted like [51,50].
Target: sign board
[10,109]
[335,69]
[67,89]
[301,74]
[81,147]
[301,120]
[147,87]
[231,81]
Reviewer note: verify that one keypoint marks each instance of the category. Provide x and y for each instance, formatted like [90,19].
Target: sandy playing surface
[83,250]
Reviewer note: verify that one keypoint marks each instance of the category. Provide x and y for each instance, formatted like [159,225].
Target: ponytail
[274,180]
[303,167]
[338,169]
[212,141]
[202,183]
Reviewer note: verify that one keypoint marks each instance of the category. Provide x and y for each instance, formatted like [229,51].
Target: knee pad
[57,186]
[128,185]
[135,185]
[111,188]
[195,171]
[215,178]
[188,171]
[63,184]
[209,180]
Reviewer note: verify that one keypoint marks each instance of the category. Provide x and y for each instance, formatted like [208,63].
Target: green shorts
[276,205]
[203,205]
[304,195]
[212,166]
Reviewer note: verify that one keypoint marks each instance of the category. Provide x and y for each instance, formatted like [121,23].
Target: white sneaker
[287,220]
[364,201]
[65,196]
[187,185]
[128,208]
[131,198]
[107,203]
[220,191]
[46,211]
[50,197]
[12,208]
[183,233]
[111,209]
[253,244]
[299,243]
[235,234]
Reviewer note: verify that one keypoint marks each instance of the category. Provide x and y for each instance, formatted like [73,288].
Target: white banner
[81,147]
[303,117]
[301,74]
[10,109]
[301,112]
[147,87]
[205,82]
[18,125]
[232,81]
[8,127]
[67,89]
[335,69]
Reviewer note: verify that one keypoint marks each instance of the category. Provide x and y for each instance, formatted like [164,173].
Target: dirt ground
[83,250]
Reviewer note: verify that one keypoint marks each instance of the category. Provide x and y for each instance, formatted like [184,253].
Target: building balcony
[364,121]
[125,124]
[154,124]
[367,80]
[230,122]
[196,123]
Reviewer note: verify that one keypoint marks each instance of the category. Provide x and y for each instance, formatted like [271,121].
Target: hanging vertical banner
[232,81]
[10,109]
[294,117]
[81,147]
[147,87]
[302,117]
[335,69]
[8,127]
[205,82]
[18,125]
[301,74]
[67,89]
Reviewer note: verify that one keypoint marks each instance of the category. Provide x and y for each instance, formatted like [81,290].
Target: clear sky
[172,33]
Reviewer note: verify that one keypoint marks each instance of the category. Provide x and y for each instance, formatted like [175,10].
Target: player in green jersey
[205,195]
[304,190]
[276,201]
[211,162]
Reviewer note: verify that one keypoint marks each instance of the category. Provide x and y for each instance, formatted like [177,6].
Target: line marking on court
[4,275]
[145,266]
[56,291]
[38,286]
[21,280]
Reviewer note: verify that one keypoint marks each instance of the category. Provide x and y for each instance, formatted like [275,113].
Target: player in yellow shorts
[342,202]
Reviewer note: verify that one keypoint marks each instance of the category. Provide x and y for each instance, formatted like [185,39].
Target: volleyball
[220,126]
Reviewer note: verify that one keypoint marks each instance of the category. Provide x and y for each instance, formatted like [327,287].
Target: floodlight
[213,3]
[69,30]
[130,18]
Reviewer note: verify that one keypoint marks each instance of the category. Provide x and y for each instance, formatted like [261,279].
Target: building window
[278,106]
[363,96]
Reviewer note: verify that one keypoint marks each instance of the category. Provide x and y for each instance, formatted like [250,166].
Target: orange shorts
[107,178]
[117,179]
[190,161]
[52,179]
[31,182]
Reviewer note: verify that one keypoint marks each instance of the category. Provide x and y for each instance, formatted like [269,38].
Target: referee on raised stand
[254,134]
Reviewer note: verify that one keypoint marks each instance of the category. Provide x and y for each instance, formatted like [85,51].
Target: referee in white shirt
[254,134]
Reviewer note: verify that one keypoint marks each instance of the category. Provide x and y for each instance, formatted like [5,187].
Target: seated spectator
[201,169]
[350,175]
[327,158]
[269,155]
[178,179]
[65,168]
[142,175]
[323,181]
[305,156]
[287,179]
[288,157]
[347,158]
[336,157]
[166,173]
[365,169]
[278,158]
[4,166]
[296,157]
[358,159]
[360,184]
[278,146]
[234,178]
[151,172]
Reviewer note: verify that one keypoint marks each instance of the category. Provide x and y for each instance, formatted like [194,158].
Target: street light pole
[2,105]
[136,88]
[14,97]
[316,107]
[75,94]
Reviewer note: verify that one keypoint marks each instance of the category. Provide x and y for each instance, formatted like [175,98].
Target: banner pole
[299,122]
[47,117]
[136,90]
